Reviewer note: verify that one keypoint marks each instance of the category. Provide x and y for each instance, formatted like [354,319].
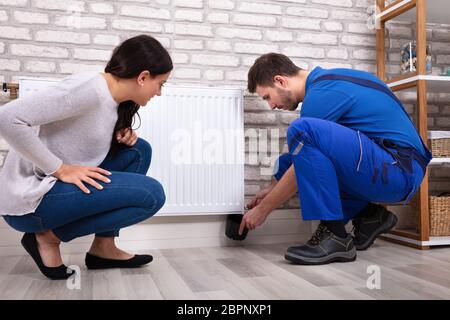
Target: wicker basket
[440,215]
[440,144]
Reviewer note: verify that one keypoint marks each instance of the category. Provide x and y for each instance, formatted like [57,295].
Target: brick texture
[213,43]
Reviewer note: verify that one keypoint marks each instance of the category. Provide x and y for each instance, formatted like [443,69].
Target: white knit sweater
[71,122]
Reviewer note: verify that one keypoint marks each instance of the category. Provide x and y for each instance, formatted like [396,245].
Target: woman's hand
[127,136]
[78,174]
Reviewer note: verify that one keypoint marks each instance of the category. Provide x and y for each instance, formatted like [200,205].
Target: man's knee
[308,131]
[297,130]
[282,164]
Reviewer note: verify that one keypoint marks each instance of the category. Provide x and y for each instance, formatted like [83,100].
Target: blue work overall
[340,170]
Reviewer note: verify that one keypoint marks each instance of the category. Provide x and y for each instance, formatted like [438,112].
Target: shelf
[440,161]
[433,241]
[418,13]
[435,84]
[437,11]
[395,9]
[407,233]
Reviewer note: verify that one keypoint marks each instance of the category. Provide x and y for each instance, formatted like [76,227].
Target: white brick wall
[62,37]
[91,54]
[146,12]
[3,16]
[106,39]
[40,66]
[79,22]
[301,23]
[253,7]
[63,5]
[32,50]
[231,33]
[9,64]
[8,32]
[15,3]
[254,20]
[332,26]
[27,17]
[134,25]
[189,3]
[218,17]
[213,42]
[101,8]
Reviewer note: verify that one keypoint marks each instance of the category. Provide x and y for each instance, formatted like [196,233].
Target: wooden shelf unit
[422,83]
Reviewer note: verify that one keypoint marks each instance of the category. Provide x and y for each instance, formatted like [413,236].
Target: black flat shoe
[30,244]
[94,262]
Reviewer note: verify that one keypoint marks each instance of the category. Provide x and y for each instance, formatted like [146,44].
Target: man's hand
[280,192]
[260,196]
[127,136]
[253,218]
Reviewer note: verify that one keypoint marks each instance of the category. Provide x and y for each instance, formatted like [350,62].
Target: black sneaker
[324,247]
[370,223]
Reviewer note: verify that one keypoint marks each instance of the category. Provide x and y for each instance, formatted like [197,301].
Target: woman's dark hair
[267,67]
[128,60]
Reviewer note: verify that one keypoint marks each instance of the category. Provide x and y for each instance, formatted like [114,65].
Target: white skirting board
[282,226]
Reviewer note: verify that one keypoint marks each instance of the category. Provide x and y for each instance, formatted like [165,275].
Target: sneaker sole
[384,228]
[348,256]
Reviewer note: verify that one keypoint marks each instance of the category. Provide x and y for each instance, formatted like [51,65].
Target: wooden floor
[250,272]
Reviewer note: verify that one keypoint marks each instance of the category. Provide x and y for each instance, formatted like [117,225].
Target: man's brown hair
[267,67]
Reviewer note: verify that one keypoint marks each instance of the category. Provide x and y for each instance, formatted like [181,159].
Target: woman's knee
[144,147]
[27,223]
[143,153]
[156,197]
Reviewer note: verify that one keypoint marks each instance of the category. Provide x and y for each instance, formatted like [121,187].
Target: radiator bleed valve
[232,227]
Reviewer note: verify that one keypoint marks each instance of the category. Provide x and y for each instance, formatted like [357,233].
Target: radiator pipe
[13,89]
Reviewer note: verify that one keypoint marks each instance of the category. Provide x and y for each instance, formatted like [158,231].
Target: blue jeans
[129,198]
[339,170]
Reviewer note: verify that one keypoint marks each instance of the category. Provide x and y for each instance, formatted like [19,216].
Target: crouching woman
[76,167]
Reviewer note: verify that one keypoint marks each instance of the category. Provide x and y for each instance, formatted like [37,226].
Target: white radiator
[197,137]
[198,148]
